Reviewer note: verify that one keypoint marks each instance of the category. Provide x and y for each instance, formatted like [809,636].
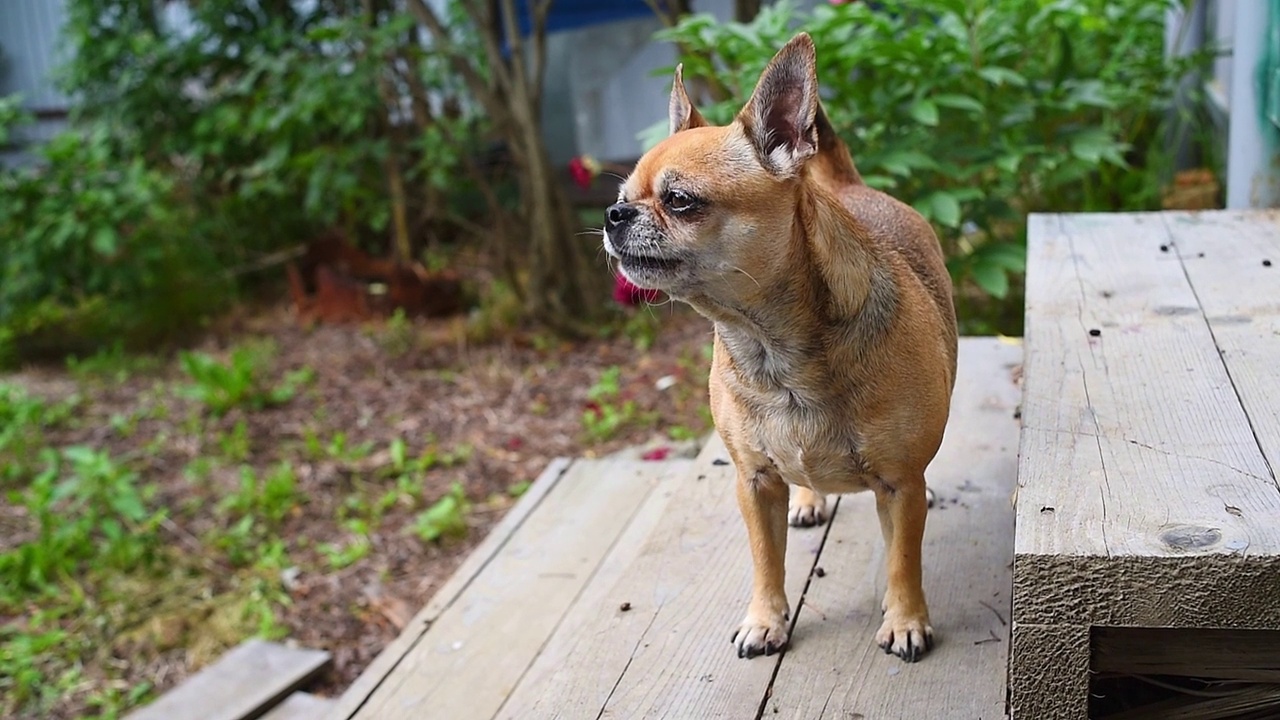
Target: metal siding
[30,41]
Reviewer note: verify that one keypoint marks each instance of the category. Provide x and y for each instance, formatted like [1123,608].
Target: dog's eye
[679,200]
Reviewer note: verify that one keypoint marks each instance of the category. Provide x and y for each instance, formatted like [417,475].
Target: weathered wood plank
[1135,433]
[1141,483]
[240,685]
[597,602]
[386,661]
[1226,256]
[481,645]
[670,655]
[1228,654]
[301,706]
[836,670]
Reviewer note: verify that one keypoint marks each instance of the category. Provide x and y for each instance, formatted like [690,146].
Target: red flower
[658,453]
[584,169]
[631,295]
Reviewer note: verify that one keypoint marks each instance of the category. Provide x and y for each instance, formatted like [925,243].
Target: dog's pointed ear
[780,116]
[683,115]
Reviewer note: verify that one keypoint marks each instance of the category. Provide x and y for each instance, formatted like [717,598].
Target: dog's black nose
[619,213]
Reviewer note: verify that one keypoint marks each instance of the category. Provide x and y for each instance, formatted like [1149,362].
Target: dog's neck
[832,281]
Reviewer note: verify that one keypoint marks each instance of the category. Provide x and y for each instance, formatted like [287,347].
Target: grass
[94,573]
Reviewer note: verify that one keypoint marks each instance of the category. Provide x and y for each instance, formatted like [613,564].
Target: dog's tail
[833,155]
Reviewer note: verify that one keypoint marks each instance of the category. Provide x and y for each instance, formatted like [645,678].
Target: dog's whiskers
[744,272]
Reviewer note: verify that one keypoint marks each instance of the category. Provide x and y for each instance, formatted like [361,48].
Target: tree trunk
[744,11]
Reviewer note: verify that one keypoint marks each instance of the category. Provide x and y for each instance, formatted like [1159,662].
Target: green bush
[95,250]
[976,113]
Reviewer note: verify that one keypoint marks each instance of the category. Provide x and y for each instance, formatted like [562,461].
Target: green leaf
[999,76]
[945,208]
[104,241]
[924,112]
[991,277]
[959,102]
[1095,144]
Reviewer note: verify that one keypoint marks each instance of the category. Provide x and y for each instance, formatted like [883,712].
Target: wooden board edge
[306,664]
[368,681]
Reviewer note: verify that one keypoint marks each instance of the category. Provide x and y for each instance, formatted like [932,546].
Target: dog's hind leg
[762,497]
[807,507]
[906,631]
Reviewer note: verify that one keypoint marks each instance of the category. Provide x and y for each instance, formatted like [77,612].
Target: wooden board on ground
[1144,498]
[483,641]
[301,706]
[836,671]
[251,677]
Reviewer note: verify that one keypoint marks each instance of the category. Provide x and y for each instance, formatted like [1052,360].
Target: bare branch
[490,99]
[539,52]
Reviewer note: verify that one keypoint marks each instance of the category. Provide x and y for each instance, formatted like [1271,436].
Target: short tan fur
[835,334]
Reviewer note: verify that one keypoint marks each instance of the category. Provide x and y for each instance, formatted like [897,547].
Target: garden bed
[307,518]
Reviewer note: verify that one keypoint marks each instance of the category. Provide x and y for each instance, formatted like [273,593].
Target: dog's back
[889,220]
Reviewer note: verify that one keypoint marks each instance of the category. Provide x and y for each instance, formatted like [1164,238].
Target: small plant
[270,497]
[90,511]
[341,556]
[397,335]
[447,517]
[518,489]
[23,420]
[111,364]
[234,444]
[602,418]
[238,382]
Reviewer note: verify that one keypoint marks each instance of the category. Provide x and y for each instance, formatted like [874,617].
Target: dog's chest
[811,448]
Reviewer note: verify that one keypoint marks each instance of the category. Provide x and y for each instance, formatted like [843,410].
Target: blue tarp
[570,14]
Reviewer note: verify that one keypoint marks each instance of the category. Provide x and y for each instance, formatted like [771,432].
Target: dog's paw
[905,635]
[754,637]
[808,511]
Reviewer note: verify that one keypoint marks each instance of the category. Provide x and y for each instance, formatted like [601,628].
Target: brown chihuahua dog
[835,334]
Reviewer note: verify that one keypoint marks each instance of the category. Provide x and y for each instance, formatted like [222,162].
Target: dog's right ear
[683,115]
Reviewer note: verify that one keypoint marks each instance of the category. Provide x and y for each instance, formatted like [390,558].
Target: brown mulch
[516,403]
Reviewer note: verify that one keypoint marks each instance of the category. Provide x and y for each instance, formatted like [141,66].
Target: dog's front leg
[905,631]
[762,497]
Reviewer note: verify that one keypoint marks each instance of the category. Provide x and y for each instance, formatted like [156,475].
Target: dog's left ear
[780,116]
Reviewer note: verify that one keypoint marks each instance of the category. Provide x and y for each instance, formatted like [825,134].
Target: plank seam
[1253,429]
[1084,380]
[605,705]
[564,467]
[666,475]
[795,618]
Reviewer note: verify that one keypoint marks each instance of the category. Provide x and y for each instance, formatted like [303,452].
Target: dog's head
[710,205]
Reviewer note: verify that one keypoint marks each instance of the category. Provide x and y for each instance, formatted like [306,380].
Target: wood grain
[1223,254]
[475,653]
[243,683]
[837,671]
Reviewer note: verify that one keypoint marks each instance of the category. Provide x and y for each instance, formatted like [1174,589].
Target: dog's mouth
[647,263]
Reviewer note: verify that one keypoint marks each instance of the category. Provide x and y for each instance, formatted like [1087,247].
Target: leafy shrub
[273,112]
[95,250]
[975,113]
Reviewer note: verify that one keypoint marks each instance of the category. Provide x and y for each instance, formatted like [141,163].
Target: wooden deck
[611,590]
[1148,515]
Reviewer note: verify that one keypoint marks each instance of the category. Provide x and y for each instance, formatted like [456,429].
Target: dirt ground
[498,411]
